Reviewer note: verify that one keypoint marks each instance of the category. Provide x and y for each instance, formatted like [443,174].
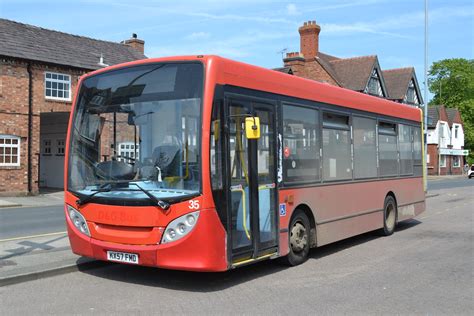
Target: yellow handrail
[244,208]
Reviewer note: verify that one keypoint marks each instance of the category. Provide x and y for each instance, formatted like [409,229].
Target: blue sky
[256,31]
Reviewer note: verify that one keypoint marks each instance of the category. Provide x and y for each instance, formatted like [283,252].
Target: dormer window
[374,87]
[411,97]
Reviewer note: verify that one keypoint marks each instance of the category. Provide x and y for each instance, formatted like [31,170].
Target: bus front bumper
[203,249]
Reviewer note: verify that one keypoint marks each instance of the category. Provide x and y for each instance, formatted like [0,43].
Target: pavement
[31,257]
[43,199]
[24,259]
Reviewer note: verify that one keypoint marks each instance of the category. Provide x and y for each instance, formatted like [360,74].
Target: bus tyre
[389,215]
[298,239]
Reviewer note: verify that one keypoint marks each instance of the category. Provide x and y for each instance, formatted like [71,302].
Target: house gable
[376,84]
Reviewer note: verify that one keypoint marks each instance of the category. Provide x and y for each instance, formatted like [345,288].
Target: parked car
[470,172]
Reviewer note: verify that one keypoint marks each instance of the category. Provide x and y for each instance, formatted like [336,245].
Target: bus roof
[225,71]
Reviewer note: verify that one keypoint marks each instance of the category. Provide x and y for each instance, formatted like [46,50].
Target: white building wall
[457,142]
[440,133]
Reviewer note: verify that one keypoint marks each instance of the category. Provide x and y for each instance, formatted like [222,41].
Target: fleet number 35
[194,204]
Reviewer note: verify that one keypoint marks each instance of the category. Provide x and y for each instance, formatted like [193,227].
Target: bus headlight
[78,220]
[180,227]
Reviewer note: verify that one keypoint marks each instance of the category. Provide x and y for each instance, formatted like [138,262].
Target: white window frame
[11,146]
[57,82]
[127,152]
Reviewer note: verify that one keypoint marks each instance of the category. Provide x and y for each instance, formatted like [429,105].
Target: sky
[257,31]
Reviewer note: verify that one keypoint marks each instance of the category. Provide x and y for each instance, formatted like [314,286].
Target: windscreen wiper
[90,197]
[160,203]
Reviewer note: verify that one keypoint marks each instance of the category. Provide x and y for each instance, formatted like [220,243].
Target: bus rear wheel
[389,215]
[298,239]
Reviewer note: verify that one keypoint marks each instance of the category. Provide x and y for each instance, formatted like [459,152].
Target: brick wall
[14,121]
[449,166]
[14,117]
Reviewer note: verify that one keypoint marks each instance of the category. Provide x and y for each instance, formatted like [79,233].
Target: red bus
[206,164]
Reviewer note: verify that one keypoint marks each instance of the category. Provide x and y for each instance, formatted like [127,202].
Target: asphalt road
[426,267]
[29,221]
[450,183]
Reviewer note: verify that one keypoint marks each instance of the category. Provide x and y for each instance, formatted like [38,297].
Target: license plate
[122,257]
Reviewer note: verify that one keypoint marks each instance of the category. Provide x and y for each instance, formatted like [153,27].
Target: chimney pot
[135,43]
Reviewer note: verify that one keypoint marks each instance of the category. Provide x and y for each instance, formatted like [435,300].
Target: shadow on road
[216,281]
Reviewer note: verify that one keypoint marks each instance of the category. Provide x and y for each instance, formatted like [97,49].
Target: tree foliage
[452,83]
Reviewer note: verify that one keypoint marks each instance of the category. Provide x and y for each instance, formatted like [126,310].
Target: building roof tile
[397,81]
[354,73]
[38,44]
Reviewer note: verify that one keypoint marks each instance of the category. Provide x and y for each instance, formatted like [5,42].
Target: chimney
[309,39]
[136,43]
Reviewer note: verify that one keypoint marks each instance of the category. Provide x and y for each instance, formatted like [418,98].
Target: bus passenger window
[388,158]
[337,160]
[365,147]
[301,161]
[417,151]
[405,146]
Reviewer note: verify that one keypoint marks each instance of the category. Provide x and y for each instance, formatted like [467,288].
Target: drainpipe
[30,127]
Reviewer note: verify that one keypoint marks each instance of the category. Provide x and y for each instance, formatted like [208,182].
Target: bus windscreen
[138,127]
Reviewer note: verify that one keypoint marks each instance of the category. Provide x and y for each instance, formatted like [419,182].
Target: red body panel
[139,229]
[344,210]
[203,249]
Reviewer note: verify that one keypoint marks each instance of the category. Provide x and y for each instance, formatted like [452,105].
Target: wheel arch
[392,194]
[312,222]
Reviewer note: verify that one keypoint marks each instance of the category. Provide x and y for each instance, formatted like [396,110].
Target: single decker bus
[206,164]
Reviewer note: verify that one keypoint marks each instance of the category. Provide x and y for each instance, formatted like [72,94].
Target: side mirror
[252,127]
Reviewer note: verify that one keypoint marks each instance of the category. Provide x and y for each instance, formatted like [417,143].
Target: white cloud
[198,36]
[393,26]
[236,47]
[291,9]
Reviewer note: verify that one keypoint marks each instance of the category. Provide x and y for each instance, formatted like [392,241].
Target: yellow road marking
[33,236]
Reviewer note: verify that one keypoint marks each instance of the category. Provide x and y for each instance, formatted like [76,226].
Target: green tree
[452,83]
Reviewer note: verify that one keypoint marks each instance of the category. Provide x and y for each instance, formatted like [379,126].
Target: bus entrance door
[252,183]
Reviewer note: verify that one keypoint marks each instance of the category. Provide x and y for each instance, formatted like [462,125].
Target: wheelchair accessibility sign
[283,209]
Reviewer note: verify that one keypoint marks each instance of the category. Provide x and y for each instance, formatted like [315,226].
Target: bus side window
[301,144]
[337,160]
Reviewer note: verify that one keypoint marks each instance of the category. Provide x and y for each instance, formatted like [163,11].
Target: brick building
[39,71]
[361,74]
[445,141]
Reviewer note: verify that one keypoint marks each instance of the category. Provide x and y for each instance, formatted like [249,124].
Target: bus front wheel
[298,239]
[389,216]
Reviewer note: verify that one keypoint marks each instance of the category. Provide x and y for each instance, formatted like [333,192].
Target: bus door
[251,184]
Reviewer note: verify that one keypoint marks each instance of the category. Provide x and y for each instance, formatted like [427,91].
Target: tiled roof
[325,62]
[451,112]
[353,73]
[35,43]
[433,114]
[396,81]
